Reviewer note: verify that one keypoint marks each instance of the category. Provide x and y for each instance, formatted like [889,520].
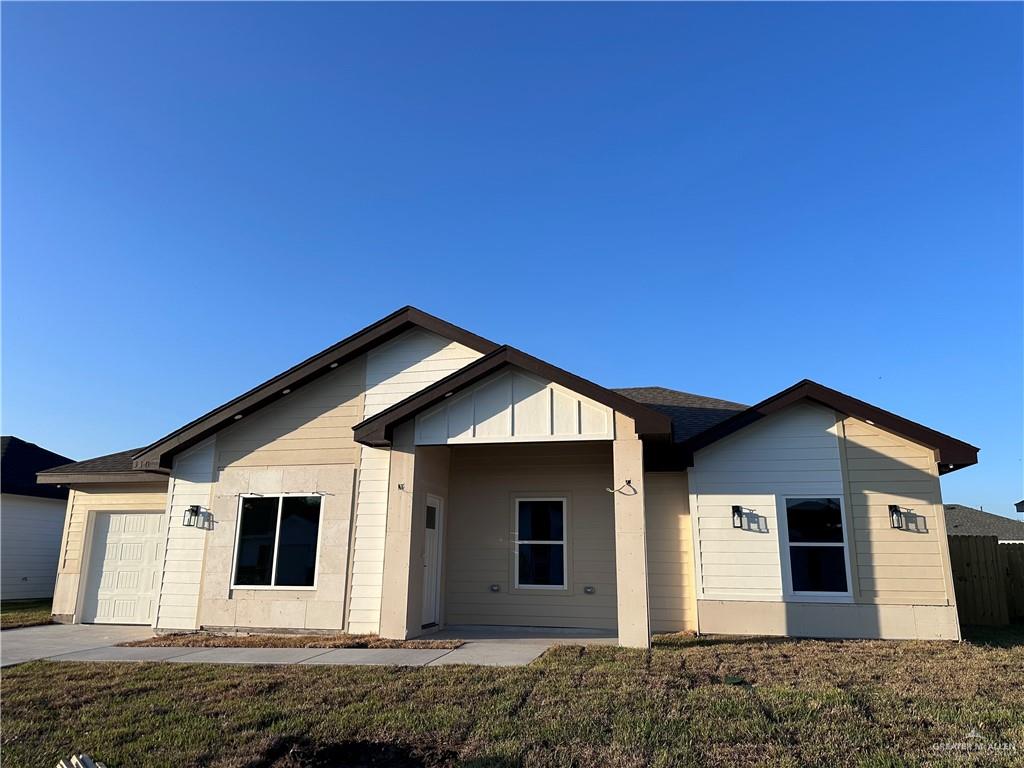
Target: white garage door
[124,568]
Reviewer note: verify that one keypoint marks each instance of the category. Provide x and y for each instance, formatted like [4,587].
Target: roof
[160,454]
[19,462]
[113,468]
[690,414]
[377,429]
[952,454]
[968,521]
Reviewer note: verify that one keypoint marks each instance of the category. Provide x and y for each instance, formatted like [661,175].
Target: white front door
[432,562]
[124,568]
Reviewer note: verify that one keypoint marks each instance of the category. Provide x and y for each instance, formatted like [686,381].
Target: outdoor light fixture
[737,516]
[192,515]
[895,516]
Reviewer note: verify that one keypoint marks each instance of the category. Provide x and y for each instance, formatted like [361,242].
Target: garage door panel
[124,572]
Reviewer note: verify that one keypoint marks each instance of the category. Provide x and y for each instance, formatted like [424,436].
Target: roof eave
[79,478]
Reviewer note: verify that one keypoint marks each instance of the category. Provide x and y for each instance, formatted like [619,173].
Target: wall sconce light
[589,590]
[495,588]
[896,516]
[192,516]
[737,516]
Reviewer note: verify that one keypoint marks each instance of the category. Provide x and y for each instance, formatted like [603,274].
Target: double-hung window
[540,543]
[277,541]
[816,543]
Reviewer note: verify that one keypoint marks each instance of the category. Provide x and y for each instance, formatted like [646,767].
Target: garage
[125,561]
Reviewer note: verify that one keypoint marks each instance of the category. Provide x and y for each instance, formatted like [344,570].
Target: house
[31,520]
[416,475]
[967,521]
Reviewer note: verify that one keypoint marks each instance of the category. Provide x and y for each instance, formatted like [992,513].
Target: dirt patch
[212,640]
[285,753]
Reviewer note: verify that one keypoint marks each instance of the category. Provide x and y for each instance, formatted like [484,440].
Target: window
[277,541]
[540,543]
[817,546]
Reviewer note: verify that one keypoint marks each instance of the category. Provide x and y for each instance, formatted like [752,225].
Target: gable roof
[159,454]
[112,468]
[377,430]
[20,460]
[952,453]
[967,521]
[691,414]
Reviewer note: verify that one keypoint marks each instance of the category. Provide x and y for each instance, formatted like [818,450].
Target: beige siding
[300,444]
[895,566]
[30,537]
[191,484]
[395,370]
[795,452]
[670,552]
[479,549]
[83,501]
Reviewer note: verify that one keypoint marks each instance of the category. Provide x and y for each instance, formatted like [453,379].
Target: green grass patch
[25,613]
[800,702]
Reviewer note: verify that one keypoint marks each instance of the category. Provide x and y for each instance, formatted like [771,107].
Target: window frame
[564,542]
[277,542]
[782,514]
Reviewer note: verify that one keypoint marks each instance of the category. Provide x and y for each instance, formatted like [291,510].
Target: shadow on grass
[303,753]
[1011,636]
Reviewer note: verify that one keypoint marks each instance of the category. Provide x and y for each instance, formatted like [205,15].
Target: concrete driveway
[31,643]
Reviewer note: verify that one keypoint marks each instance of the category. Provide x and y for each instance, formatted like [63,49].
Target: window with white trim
[816,540]
[540,543]
[277,541]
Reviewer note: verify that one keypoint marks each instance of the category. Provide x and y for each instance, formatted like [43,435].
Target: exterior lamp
[896,516]
[192,515]
[737,516]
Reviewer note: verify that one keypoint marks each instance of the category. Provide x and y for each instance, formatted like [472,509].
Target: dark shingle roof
[19,462]
[967,521]
[112,462]
[691,414]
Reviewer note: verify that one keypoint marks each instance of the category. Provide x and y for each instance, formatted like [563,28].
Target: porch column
[631,586]
[394,608]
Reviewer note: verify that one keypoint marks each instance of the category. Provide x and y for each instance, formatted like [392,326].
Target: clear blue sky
[717,198]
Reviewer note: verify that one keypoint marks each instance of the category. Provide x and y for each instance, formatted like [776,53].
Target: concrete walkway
[489,646]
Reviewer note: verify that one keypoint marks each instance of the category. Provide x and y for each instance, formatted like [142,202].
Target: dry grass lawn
[24,613]
[208,640]
[790,703]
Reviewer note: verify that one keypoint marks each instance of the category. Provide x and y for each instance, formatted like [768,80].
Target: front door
[432,562]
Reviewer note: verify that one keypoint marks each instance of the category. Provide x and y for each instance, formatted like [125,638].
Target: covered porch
[516,498]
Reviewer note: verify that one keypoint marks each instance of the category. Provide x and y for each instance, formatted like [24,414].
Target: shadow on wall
[900,566]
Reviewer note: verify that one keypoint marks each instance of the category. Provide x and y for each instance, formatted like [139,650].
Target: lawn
[867,703]
[24,613]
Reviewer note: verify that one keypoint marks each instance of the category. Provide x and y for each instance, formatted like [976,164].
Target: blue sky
[722,199]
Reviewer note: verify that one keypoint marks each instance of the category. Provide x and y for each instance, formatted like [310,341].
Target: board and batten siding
[673,597]
[191,484]
[909,566]
[300,444]
[483,481]
[796,453]
[514,406]
[394,371]
[83,502]
[30,537]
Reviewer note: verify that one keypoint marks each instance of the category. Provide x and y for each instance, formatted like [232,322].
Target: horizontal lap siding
[31,539]
[479,545]
[670,552]
[301,444]
[83,500]
[795,452]
[395,370]
[891,565]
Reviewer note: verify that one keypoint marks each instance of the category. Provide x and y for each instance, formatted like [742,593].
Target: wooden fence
[988,578]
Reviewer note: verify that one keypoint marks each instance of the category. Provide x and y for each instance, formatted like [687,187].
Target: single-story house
[416,475]
[31,520]
[968,521]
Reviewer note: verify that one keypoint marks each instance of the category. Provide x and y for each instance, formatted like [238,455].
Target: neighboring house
[967,521]
[416,475]
[31,520]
